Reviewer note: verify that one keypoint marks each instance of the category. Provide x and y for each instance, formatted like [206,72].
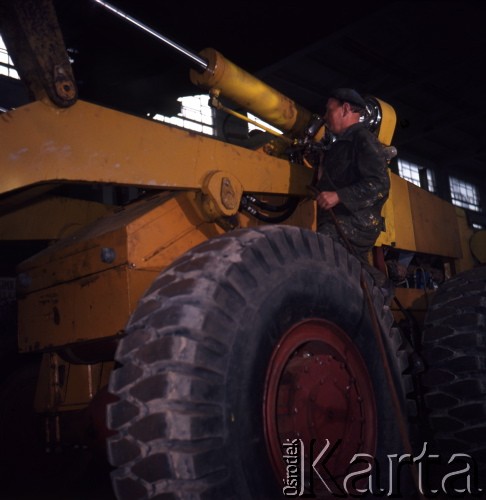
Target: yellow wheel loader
[200,340]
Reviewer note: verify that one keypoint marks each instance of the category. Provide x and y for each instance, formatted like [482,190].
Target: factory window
[409,172]
[464,194]
[415,174]
[6,64]
[195,114]
[431,181]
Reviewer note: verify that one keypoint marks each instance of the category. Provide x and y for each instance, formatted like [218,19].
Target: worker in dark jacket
[352,178]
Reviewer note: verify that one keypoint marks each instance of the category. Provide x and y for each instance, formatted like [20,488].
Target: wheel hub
[318,388]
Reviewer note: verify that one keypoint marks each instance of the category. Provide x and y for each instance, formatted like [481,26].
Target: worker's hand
[327,199]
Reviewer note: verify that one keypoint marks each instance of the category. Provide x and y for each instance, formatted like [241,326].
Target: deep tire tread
[173,358]
[455,355]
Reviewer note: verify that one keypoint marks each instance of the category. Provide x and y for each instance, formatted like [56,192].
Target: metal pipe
[195,58]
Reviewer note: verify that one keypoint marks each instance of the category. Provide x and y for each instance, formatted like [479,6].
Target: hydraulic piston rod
[202,63]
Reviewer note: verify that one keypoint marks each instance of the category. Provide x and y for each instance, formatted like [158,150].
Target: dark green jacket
[355,167]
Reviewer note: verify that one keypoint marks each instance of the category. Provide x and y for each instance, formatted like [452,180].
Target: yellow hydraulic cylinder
[250,93]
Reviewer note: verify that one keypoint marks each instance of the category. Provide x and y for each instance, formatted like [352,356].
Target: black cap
[348,95]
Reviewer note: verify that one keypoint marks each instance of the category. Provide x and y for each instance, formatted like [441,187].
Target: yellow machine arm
[31,32]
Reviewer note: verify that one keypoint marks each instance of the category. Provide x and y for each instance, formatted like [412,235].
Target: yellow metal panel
[88,143]
[71,258]
[465,234]
[143,235]
[89,308]
[398,218]
[402,213]
[388,237]
[419,221]
[161,235]
[139,282]
[49,219]
[434,223]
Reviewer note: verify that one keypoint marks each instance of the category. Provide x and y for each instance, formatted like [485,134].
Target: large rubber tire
[202,353]
[454,350]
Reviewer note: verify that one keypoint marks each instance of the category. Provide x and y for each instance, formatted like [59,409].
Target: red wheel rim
[318,387]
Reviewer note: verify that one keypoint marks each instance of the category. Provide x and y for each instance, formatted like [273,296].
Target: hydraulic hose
[288,204]
[287,209]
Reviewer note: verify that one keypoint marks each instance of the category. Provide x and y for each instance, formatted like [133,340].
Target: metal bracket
[34,40]
[220,195]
